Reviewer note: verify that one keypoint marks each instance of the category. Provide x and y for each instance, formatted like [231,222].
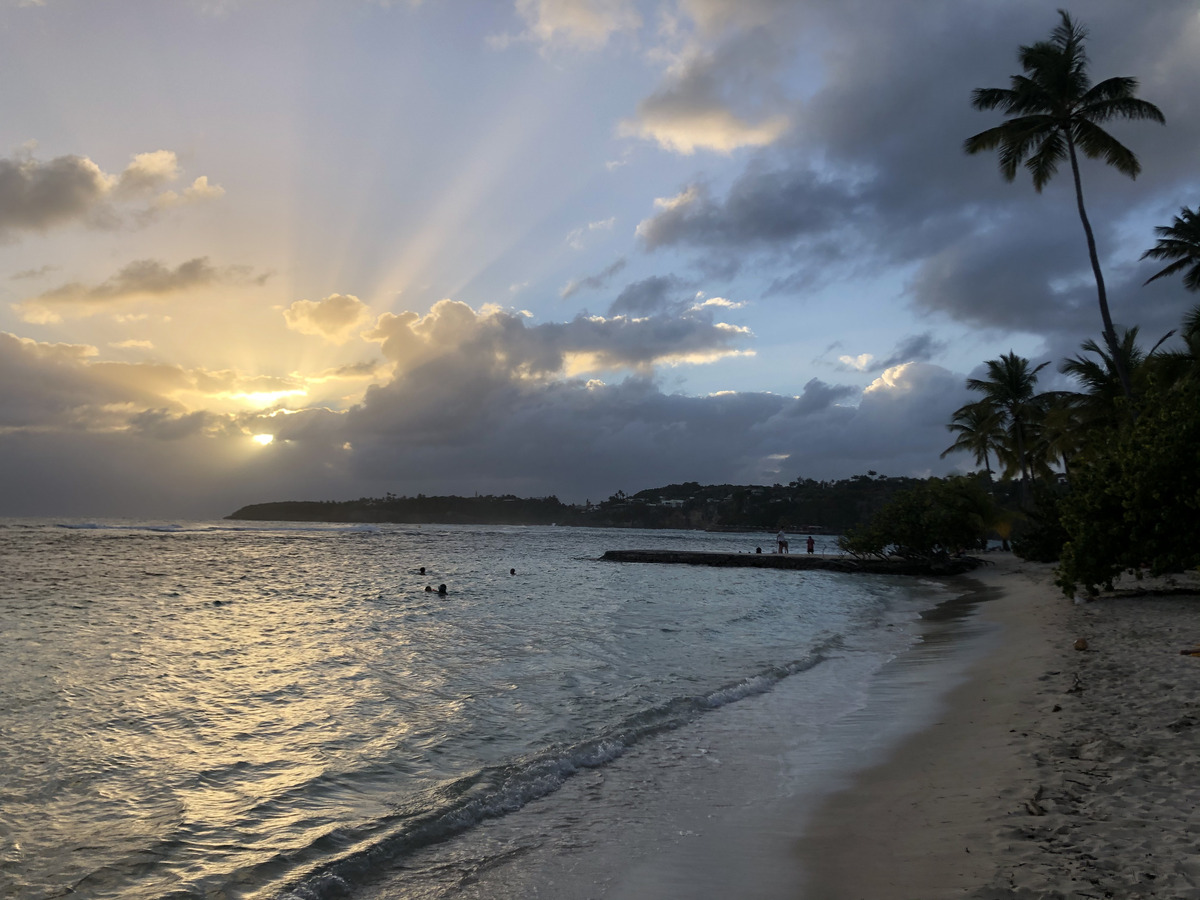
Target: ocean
[284,712]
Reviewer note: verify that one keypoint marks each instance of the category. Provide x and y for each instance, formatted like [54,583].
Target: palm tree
[1009,393]
[1172,366]
[1061,437]
[1179,241]
[1098,372]
[979,431]
[1056,114]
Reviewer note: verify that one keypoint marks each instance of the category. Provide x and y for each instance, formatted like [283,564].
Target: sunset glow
[545,248]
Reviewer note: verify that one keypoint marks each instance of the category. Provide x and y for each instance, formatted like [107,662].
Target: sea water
[258,710]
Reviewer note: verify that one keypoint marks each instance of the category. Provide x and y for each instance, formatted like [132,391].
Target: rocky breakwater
[800,561]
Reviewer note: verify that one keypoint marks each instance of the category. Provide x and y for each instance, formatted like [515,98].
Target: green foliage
[1039,535]
[1136,503]
[931,520]
[1008,420]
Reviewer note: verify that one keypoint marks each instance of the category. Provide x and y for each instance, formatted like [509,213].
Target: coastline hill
[805,505]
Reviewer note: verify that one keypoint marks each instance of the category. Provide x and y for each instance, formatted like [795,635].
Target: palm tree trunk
[1110,333]
[1019,434]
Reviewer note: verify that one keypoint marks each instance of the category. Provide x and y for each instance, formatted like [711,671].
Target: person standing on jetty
[781,542]
[812,545]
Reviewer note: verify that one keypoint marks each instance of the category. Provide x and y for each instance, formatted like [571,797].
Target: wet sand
[1051,772]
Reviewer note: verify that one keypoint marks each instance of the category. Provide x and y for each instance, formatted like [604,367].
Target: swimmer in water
[441,590]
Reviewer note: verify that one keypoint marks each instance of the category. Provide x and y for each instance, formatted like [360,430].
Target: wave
[495,791]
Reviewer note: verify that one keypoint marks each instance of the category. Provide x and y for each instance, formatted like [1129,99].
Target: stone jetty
[801,561]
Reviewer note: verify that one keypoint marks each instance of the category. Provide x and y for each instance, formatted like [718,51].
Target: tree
[1136,504]
[1102,406]
[931,520]
[1171,366]
[1056,114]
[979,431]
[1179,241]
[1009,393]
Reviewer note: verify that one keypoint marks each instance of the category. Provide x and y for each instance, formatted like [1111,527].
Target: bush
[932,520]
[1136,505]
[1040,536]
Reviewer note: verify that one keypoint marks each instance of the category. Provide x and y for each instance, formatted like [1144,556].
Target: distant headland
[802,506]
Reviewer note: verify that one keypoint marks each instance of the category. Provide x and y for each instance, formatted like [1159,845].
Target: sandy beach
[1052,771]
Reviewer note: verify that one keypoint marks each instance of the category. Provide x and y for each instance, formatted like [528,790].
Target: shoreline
[1050,772]
[713,809]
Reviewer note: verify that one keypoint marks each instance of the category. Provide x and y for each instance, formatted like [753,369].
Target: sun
[263,439]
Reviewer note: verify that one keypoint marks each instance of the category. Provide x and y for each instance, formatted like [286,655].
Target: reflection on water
[206,709]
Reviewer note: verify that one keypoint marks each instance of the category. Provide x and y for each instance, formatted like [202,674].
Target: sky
[257,250]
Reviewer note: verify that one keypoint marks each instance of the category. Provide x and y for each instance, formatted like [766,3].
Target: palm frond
[1096,143]
[1179,241]
[1044,163]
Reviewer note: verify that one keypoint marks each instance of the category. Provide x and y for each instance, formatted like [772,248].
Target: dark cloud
[165,425]
[656,294]
[872,174]
[140,278]
[818,395]
[914,348]
[761,210]
[33,273]
[56,391]
[39,195]
[479,401]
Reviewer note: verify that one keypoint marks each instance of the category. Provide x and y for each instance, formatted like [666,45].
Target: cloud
[716,17]
[593,282]
[860,363]
[580,24]
[722,89]
[871,178]
[200,191]
[139,279]
[721,302]
[147,173]
[37,196]
[69,389]
[477,400]
[688,127]
[914,348]
[334,318]
[57,389]
[763,210]
[818,395]
[162,425]
[33,273]
[575,238]
[656,294]
[454,342]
